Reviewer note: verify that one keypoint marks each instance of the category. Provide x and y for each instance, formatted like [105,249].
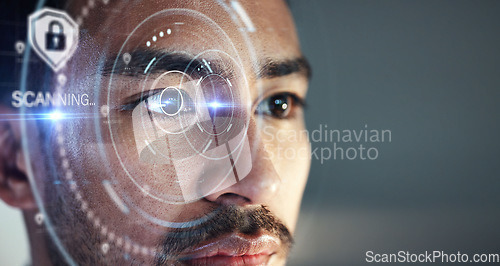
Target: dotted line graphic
[128,245]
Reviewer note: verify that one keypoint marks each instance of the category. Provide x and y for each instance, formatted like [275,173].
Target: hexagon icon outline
[38,27]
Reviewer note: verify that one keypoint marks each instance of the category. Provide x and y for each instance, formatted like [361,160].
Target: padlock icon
[53,35]
[55,41]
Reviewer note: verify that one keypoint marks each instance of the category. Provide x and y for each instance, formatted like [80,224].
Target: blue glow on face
[214,104]
[55,115]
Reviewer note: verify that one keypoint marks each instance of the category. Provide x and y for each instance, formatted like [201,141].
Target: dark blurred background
[429,71]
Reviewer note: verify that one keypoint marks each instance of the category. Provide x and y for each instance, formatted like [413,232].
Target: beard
[82,242]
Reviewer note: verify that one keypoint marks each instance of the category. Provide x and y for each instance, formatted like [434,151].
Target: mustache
[224,220]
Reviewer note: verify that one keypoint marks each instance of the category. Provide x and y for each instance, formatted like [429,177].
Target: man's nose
[261,183]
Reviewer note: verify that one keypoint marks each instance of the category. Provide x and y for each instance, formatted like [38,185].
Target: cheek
[288,147]
[104,150]
[96,170]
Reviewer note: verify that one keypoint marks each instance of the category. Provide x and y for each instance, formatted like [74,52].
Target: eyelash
[129,106]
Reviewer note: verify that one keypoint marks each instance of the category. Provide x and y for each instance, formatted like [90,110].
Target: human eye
[170,101]
[280,105]
[169,109]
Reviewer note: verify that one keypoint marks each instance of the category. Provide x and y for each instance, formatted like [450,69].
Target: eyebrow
[274,69]
[159,61]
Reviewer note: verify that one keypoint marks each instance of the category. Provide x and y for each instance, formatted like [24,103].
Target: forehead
[267,24]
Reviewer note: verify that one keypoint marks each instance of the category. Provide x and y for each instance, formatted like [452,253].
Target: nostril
[233,199]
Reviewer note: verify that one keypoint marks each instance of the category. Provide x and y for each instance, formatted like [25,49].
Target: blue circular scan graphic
[205,106]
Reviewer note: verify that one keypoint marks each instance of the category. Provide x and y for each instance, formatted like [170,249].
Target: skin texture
[264,202]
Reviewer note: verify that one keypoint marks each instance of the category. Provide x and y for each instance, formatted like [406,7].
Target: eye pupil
[279,105]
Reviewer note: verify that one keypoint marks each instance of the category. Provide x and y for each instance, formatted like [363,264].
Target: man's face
[194,152]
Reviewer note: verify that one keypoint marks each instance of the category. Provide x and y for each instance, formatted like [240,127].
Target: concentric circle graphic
[209,103]
[187,114]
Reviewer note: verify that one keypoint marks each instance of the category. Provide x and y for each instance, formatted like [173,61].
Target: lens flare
[56,116]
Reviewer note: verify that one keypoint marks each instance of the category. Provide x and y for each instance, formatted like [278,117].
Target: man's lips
[233,249]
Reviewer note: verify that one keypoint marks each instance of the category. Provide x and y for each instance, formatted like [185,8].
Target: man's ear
[15,189]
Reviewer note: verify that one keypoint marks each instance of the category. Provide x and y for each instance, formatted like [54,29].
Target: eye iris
[171,101]
[279,105]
